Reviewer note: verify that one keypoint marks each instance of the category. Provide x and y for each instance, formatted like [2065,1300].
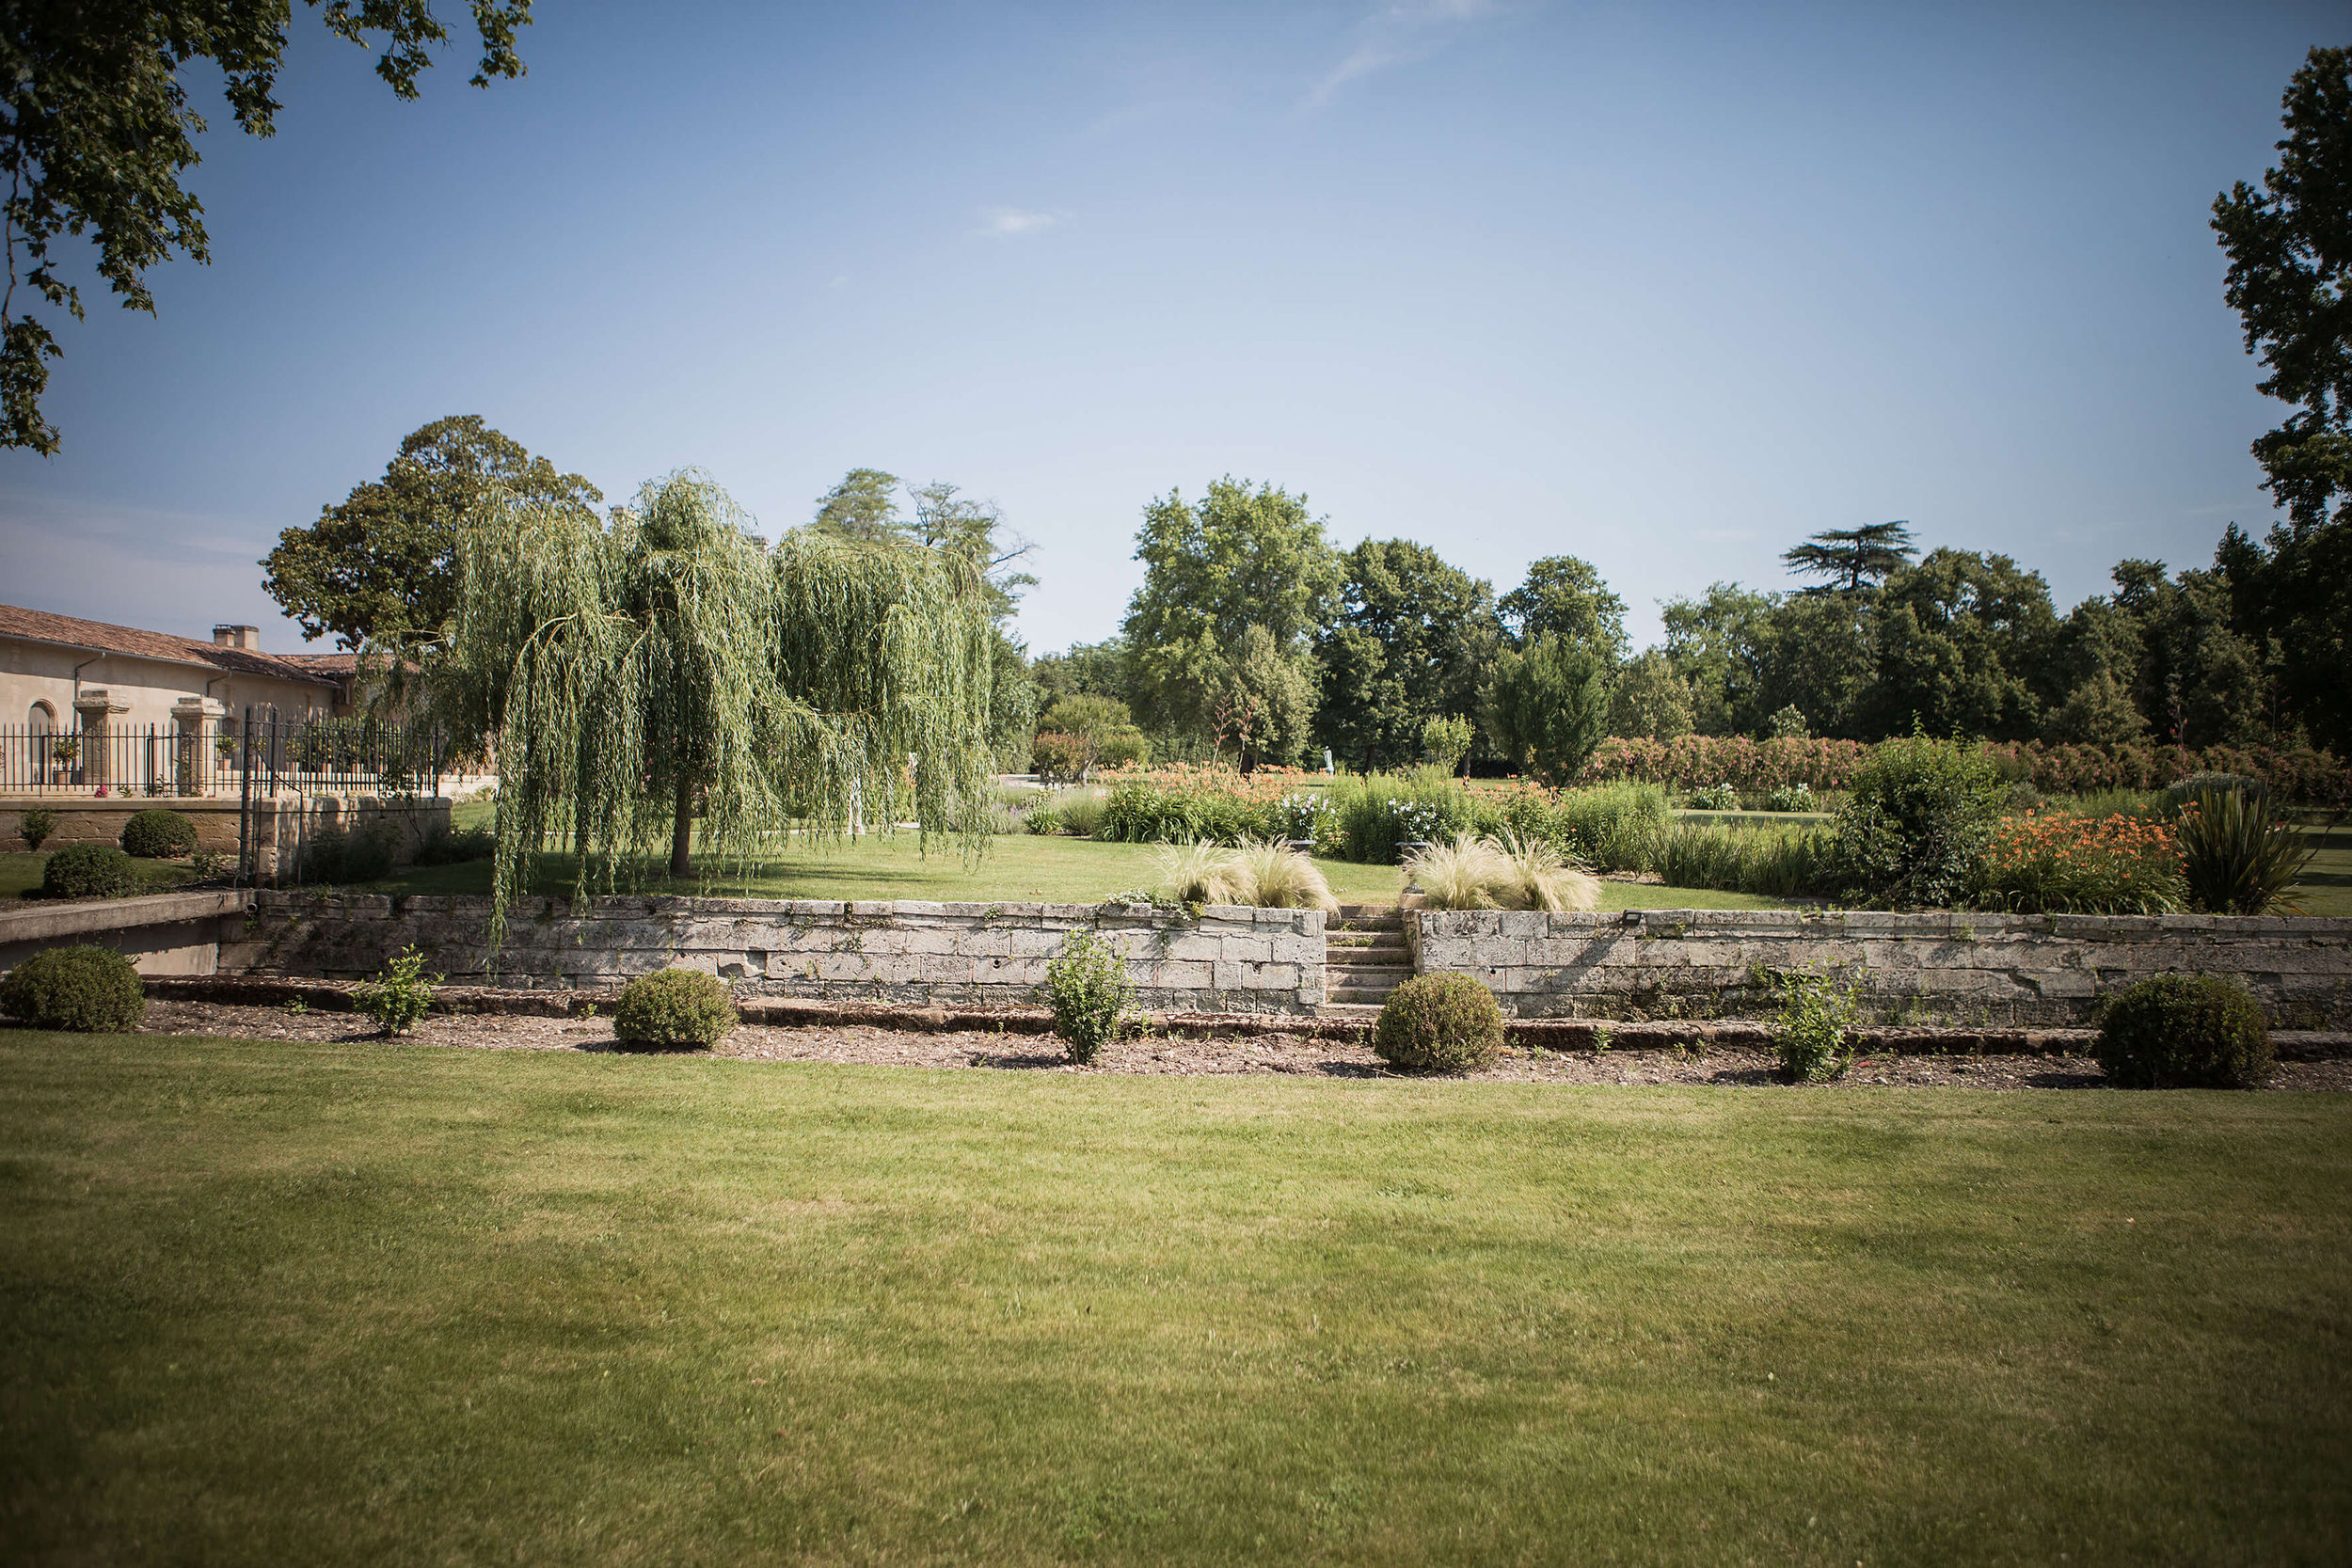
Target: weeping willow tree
[661,679]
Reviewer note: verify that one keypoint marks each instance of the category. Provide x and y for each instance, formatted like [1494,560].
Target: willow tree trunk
[682,832]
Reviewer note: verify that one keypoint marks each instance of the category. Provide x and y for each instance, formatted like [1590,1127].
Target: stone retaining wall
[1233,960]
[1955,968]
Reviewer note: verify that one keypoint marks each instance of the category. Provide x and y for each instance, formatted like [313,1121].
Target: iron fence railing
[256,755]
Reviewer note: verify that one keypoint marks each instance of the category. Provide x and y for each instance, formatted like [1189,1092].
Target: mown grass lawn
[275,1303]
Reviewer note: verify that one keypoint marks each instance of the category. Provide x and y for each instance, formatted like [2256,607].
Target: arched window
[43,719]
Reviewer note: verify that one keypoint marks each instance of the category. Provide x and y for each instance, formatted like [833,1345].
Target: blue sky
[1664,286]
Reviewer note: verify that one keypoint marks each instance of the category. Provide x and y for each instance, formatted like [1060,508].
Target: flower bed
[2056,864]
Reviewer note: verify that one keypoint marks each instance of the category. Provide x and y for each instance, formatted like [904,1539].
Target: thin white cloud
[1010,222]
[1395,33]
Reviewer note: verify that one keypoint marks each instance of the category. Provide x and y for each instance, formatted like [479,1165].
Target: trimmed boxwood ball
[675,1008]
[1439,1023]
[87,871]
[2184,1032]
[88,990]
[159,835]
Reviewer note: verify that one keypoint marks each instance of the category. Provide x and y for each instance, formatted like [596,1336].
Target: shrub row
[1696,761]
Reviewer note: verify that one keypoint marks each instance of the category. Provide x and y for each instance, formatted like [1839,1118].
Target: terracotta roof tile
[39,625]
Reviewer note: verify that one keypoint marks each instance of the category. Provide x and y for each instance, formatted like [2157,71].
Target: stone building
[68,678]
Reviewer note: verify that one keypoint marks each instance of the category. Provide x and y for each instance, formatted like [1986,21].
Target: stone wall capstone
[1932,968]
[1229,960]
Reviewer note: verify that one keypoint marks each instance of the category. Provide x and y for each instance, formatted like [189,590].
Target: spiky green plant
[2236,857]
[661,675]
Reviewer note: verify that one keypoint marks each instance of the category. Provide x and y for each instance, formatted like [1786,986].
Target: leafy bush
[673,1007]
[159,835]
[2179,792]
[1439,1023]
[399,996]
[1792,797]
[2067,864]
[87,871]
[333,855]
[1140,813]
[1042,819]
[35,825]
[1091,991]
[442,846]
[1919,824]
[1715,797]
[87,989]
[1813,1031]
[2235,856]
[2184,1032]
[1056,755]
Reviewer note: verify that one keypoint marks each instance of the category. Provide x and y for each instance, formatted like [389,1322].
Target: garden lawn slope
[277,1303]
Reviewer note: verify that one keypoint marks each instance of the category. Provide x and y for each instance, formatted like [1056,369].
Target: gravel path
[1167,1054]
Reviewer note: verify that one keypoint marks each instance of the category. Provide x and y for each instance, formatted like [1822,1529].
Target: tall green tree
[2290,279]
[1412,639]
[380,565]
[864,505]
[1853,559]
[1104,668]
[659,676]
[96,131]
[1564,597]
[1712,642]
[974,531]
[1550,707]
[1647,700]
[1236,559]
[1260,698]
[1966,644]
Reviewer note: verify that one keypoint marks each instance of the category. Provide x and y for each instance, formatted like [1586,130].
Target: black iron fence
[258,754]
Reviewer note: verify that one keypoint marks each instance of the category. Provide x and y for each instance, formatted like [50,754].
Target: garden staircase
[1364,959]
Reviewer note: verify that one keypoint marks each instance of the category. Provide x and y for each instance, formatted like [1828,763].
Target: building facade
[75,695]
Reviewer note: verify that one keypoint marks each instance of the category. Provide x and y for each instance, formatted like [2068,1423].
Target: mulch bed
[1247,1046]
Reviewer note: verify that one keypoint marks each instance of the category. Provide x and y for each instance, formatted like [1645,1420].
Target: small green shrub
[1081,812]
[1716,797]
[2235,856]
[1813,1031]
[1042,819]
[1090,992]
[1611,826]
[1439,1023]
[443,847]
[2184,1032]
[87,871]
[36,825]
[1792,797]
[1916,828]
[675,1007]
[2179,792]
[159,835]
[400,996]
[87,989]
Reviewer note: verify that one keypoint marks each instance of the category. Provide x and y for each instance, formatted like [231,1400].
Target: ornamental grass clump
[1257,874]
[2060,864]
[85,989]
[2184,1032]
[159,835]
[674,1009]
[1459,874]
[87,871]
[1091,993]
[2235,856]
[1611,827]
[1439,1023]
[1532,876]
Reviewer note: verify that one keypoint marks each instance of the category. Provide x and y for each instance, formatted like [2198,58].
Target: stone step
[1361,948]
[1369,998]
[1365,974]
[1368,1012]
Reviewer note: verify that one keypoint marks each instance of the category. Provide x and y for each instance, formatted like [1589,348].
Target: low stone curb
[335,996]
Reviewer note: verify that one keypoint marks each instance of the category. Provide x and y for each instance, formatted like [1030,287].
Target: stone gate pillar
[96,709]
[194,722]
